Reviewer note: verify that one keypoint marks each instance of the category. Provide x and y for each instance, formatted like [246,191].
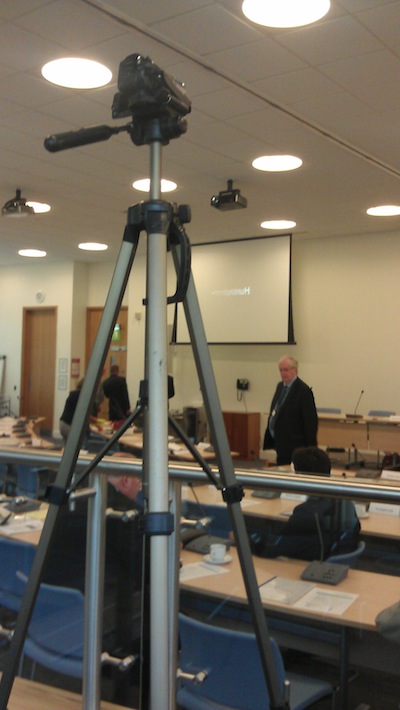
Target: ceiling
[328,93]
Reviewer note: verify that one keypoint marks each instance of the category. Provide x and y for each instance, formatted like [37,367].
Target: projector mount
[229,199]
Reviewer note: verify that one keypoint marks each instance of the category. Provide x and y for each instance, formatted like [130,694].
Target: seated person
[317,528]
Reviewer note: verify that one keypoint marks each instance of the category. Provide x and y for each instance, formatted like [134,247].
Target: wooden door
[38,365]
[117,352]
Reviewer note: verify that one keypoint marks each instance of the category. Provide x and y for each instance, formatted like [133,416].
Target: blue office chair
[16,559]
[328,410]
[380,413]
[8,479]
[220,523]
[55,634]
[32,481]
[348,558]
[235,679]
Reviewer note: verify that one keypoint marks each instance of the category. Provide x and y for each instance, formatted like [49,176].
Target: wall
[345,295]
[19,288]
[346,292]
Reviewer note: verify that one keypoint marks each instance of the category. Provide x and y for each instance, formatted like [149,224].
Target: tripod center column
[158,217]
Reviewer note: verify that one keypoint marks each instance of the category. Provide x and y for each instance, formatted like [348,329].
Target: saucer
[227,558]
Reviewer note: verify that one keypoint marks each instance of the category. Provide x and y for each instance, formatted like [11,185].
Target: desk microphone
[355,415]
[324,572]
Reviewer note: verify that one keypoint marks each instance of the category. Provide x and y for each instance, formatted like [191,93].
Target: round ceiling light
[39,207]
[144,185]
[278,224]
[33,253]
[277,163]
[92,246]
[384,211]
[76,73]
[285,13]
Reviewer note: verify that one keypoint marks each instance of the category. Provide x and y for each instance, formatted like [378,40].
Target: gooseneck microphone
[355,415]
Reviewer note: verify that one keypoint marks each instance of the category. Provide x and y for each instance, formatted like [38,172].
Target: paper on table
[385,508]
[327,601]
[199,569]
[21,525]
[286,591]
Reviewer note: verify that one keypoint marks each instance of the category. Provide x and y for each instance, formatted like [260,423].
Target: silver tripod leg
[67,466]
[220,442]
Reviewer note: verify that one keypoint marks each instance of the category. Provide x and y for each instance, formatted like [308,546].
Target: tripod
[155,127]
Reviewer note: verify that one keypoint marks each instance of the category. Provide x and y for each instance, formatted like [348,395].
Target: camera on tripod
[146,91]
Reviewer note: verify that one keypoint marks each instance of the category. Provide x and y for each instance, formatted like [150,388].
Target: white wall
[19,286]
[346,292]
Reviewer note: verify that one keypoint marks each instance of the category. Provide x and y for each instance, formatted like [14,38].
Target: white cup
[218,552]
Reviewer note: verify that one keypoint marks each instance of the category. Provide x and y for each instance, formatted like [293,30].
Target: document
[21,524]
[326,601]
[285,591]
[196,570]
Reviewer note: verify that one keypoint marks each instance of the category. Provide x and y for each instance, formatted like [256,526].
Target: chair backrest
[15,557]
[380,413]
[328,410]
[348,558]
[231,659]
[32,481]
[55,634]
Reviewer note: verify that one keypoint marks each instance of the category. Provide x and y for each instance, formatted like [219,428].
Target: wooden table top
[29,695]
[374,591]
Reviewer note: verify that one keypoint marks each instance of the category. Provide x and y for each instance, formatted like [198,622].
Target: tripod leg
[221,445]
[71,452]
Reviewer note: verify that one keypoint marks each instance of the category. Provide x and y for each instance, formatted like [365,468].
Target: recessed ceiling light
[76,73]
[384,210]
[285,13]
[144,185]
[278,224]
[39,207]
[92,246]
[277,163]
[35,253]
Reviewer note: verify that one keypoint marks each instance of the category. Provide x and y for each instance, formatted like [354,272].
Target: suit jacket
[296,423]
[339,530]
[115,388]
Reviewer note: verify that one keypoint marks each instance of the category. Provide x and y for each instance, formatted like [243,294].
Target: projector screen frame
[289,326]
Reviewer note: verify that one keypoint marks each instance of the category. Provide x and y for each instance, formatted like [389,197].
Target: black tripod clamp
[160,217]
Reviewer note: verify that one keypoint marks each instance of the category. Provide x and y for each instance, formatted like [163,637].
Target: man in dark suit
[115,388]
[293,419]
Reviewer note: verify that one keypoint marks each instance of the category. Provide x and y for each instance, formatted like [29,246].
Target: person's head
[114,369]
[129,486]
[288,368]
[311,459]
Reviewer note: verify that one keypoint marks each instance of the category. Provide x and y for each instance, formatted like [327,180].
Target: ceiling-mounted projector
[17,207]
[229,199]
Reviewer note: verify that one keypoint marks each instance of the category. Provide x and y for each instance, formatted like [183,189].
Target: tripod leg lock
[233,494]
[157,524]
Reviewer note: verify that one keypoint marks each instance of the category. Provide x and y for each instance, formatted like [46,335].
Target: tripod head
[156,101]
[146,91]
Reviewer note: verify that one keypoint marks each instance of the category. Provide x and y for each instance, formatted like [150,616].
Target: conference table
[384,524]
[29,695]
[334,622]
[374,433]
